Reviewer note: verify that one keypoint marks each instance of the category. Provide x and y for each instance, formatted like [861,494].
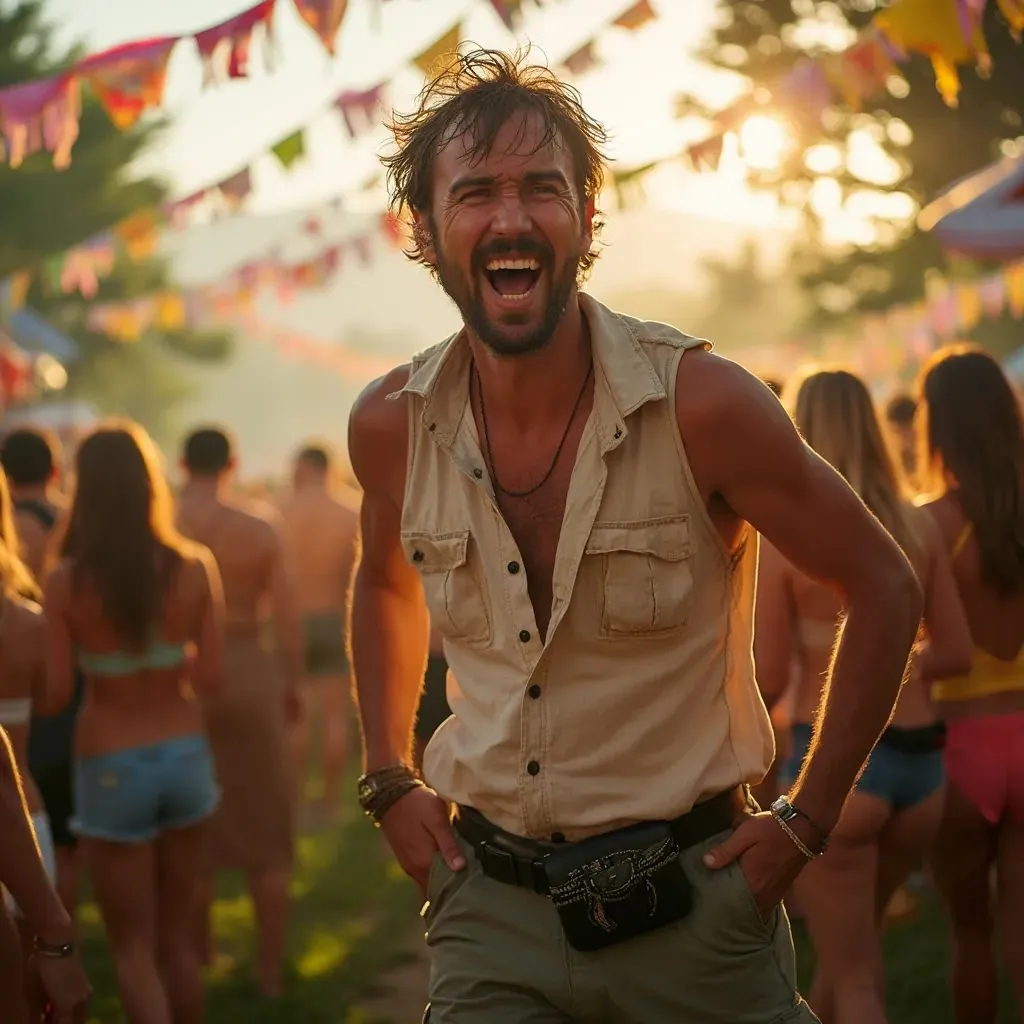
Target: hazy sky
[217,131]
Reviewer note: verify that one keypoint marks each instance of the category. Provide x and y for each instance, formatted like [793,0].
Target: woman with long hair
[22,684]
[891,819]
[973,450]
[138,609]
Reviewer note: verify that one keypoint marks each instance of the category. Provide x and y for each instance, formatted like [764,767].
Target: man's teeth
[521,295]
[527,264]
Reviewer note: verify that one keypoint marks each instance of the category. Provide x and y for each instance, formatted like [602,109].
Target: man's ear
[424,236]
[589,209]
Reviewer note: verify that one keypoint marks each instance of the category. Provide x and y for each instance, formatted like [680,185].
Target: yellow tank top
[989,675]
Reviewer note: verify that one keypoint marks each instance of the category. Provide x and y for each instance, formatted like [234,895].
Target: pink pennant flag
[176,211]
[324,17]
[583,60]
[225,48]
[129,79]
[42,114]
[508,11]
[362,111]
[236,188]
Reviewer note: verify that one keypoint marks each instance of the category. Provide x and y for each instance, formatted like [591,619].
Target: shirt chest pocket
[646,575]
[454,590]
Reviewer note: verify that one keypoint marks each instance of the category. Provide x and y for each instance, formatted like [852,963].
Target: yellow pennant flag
[934,28]
[440,51]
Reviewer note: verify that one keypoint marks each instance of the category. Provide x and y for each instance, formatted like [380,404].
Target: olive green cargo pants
[498,956]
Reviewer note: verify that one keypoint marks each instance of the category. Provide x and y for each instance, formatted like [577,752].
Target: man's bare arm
[744,448]
[389,619]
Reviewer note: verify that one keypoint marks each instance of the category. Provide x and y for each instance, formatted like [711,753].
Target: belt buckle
[498,864]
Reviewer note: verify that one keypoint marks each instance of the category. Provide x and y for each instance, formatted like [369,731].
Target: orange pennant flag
[129,79]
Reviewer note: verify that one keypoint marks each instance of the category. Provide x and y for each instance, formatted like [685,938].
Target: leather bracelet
[59,951]
[823,836]
[389,796]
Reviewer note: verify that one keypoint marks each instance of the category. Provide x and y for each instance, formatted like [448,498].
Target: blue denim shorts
[134,795]
[901,778]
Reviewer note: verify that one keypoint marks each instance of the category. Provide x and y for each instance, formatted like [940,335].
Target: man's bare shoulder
[378,430]
[711,389]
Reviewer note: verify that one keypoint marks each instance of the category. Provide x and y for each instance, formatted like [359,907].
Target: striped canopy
[981,216]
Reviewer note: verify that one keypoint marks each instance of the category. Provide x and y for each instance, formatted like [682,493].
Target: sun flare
[763,142]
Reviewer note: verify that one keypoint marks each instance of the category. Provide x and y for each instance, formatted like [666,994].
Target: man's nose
[511,216]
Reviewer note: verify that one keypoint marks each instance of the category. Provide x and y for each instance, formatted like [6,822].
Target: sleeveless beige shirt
[642,700]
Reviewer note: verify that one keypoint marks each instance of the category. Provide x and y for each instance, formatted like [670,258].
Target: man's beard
[468,298]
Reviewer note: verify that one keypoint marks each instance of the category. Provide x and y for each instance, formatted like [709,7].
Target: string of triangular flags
[81,268]
[948,32]
[129,79]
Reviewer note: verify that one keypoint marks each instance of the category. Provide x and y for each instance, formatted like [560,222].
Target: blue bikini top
[157,655]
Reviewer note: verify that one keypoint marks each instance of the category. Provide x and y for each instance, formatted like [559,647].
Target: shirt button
[417,556]
[513,567]
[533,768]
[557,837]
[478,473]
[524,636]
[534,691]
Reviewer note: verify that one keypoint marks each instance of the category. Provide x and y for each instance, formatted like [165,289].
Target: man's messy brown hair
[474,96]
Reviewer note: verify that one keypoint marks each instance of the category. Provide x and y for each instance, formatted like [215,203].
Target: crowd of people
[166,660]
[598,564]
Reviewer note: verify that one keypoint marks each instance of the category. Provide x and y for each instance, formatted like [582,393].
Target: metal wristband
[794,838]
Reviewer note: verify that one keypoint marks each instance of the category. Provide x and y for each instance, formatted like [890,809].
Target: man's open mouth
[513,279]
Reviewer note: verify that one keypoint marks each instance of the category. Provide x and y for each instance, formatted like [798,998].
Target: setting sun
[763,142]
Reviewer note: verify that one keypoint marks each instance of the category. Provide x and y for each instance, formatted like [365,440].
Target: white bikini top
[15,710]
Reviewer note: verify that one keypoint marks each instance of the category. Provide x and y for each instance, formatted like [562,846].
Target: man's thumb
[725,853]
[448,845]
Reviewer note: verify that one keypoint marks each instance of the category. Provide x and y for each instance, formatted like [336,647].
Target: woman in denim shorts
[136,608]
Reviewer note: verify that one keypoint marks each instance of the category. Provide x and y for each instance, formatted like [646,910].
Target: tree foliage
[929,144]
[46,212]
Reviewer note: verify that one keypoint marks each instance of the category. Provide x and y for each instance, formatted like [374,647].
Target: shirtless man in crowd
[320,527]
[247,723]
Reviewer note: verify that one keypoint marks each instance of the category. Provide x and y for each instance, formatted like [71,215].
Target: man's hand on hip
[418,826]
[769,859]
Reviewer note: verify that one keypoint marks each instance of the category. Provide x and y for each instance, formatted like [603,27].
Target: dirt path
[401,994]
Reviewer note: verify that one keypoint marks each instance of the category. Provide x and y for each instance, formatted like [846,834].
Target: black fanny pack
[618,885]
[610,887]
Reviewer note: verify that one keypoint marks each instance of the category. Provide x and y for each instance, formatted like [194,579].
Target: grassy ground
[353,915]
[916,953]
[352,908]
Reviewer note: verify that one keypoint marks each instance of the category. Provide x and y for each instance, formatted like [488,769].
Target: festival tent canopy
[981,216]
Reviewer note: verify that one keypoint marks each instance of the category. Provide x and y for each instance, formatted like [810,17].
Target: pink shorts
[985,762]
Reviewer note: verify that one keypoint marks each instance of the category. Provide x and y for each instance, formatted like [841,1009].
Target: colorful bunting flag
[225,48]
[41,114]
[583,60]
[129,79]
[638,15]
[290,149]
[439,52]
[362,111]
[324,17]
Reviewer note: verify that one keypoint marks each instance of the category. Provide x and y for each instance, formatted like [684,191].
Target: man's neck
[32,492]
[207,488]
[529,389]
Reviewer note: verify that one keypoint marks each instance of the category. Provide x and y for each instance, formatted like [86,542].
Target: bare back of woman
[973,442]
[891,819]
[138,610]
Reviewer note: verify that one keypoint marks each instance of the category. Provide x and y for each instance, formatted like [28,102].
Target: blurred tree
[46,212]
[881,163]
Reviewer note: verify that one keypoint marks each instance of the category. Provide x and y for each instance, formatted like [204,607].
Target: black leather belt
[517,861]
